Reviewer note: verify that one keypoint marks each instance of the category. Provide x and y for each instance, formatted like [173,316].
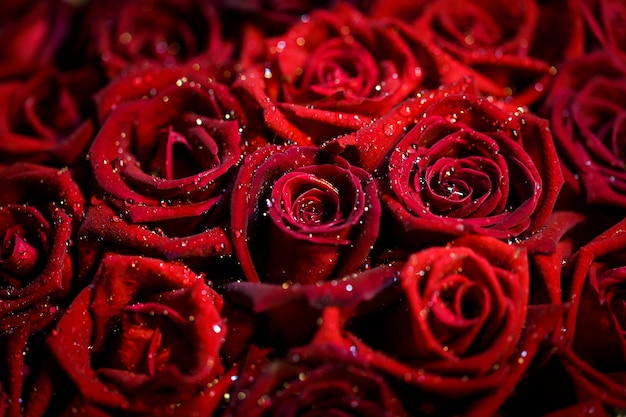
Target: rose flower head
[300,215]
[145,334]
[457,333]
[136,32]
[587,109]
[47,118]
[594,351]
[161,167]
[501,44]
[315,379]
[40,210]
[329,75]
[452,164]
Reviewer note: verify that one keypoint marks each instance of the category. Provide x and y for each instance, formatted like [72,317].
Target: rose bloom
[40,209]
[594,349]
[458,164]
[501,44]
[329,75]
[316,379]
[122,33]
[457,332]
[586,107]
[144,335]
[161,168]
[47,118]
[605,24]
[320,214]
[32,34]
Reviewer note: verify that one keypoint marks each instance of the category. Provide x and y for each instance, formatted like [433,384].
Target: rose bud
[326,378]
[144,335]
[300,215]
[47,119]
[32,34]
[459,327]
[162,167]
[586,107]
[40,209]
[594,348]
[501,44]
[330,75]
[123,33]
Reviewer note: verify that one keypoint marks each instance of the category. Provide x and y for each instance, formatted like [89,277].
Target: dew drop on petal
[389,129]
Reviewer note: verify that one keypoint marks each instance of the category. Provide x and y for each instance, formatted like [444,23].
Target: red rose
[501,44]
[595,324]
[32,35]
[122,33]
[458,328]
[459,164]
[320,214]
[162,168]
[330,75]
[40,208]
[586,106]
[145,335]
[605,24]
[46,118]
[317,379]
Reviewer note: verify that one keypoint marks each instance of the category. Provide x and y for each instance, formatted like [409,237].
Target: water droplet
[389,129]
[264,401]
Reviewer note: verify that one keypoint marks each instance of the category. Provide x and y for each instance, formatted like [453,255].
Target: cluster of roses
[373,208]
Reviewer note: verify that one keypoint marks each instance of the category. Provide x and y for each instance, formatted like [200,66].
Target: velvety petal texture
[322,379]
[47,119]
[587,112]
[301,208]
[329,75]
[40,208]
[168,175]
[459,325]
[604,23]
[595,324]
[32,36]
[311,303]
[320,214]
[145,334]
[124,33]
[501,44]
[459,164]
